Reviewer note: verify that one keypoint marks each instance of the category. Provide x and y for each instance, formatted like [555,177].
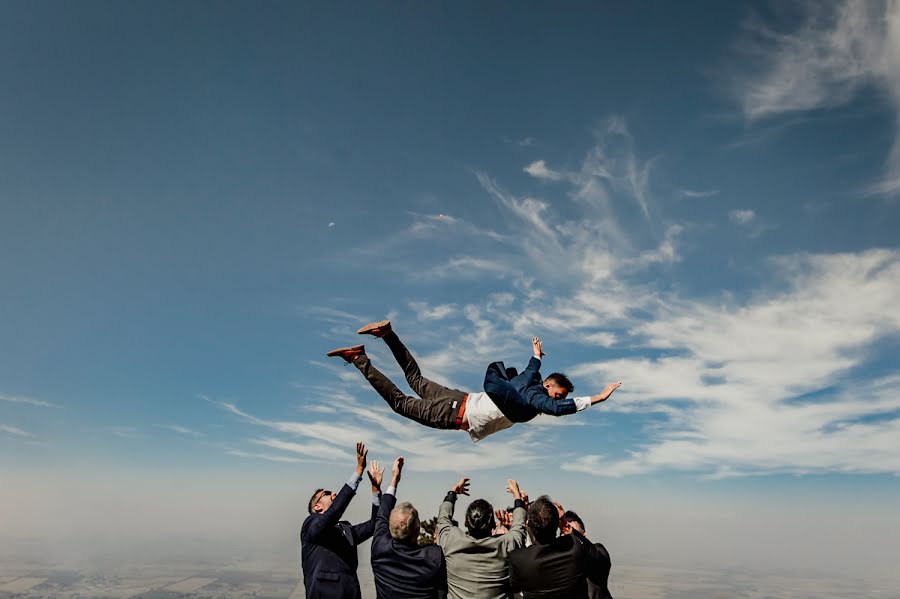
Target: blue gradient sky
[199,200]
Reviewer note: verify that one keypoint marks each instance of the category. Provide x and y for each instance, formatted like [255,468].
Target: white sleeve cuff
[353,482]
[376,499]
[582,403]
[392,490]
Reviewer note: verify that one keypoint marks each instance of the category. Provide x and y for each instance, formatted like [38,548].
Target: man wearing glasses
[328,544]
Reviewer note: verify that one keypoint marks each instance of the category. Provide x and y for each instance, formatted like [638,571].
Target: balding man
[401,566]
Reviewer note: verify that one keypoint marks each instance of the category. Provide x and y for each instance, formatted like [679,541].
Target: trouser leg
[436,412]
[424,388]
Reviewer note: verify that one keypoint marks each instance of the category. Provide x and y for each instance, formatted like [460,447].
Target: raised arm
[515,537]
[607,391]
[364,530]
[388,500]
[333,514]
[445,512]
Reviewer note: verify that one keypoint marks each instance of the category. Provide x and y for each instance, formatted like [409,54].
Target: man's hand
[512,486]
[607,391]
[361,453]
[376,475]
[462,487]
[504,521]
[396,469]
[536,347]
[525,500]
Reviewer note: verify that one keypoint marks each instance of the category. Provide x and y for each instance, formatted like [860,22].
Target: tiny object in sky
[330,224]
[440,217]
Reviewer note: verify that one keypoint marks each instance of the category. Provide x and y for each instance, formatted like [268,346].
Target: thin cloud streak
[839,50]
[27,400]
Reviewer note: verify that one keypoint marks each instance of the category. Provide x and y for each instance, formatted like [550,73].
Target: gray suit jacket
[478,568]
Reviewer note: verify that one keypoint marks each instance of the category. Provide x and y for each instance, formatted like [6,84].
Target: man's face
[554,390]
[324,501]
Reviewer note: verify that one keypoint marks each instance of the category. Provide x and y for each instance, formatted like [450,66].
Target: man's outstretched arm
[585,402]
[330,517]
[445,511]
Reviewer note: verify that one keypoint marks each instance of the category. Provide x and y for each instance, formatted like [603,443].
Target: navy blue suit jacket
[401,570]
[328,550]
[523,396]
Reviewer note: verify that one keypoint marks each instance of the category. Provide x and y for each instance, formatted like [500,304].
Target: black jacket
[523,396]
[558,570]
[404,571]
[328,550]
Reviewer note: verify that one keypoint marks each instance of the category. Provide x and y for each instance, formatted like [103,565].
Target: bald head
[404,523]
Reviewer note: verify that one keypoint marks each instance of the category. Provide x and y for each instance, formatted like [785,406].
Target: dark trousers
[438,406]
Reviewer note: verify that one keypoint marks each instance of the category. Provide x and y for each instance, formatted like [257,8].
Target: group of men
[487,560]
[538,550]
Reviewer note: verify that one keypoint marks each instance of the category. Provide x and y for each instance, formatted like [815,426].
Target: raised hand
[396,470]
[361,453]
[512,486]
[564,527]
[376,475]
[504,518]
[536,347]
[607,391]
[462,487]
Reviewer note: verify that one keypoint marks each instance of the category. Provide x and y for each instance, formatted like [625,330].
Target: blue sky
[198,201]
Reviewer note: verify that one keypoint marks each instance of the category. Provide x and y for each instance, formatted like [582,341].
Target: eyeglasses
[321,495]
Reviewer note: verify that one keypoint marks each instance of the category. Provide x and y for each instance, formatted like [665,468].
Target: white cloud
[742,217]
[387,433]
[427,312]
[538,169]
[181,430]
[692,193]
[732,391]
[12,430]
[27,400]
[609,169]
[839,49]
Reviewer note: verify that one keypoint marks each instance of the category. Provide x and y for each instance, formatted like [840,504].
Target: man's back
[557,570]
[404,570]
[479,568]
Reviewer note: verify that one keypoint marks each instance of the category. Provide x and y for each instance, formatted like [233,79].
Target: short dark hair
[562,380]
[543,519]
[480,519]
[571,516]
[312,500]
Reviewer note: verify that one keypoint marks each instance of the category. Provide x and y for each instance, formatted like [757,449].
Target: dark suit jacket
[328,550]
[595,589]
[523,397]
[557,570]
[404,571]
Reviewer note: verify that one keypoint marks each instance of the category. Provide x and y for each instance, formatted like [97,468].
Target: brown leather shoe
[347,353]
[376,329]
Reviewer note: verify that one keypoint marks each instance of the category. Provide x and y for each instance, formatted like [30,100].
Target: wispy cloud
[839,49]
[742,217]
[13,430]
[330,440]
[609,169]
[693,193]
[181,430]
[732,387]
[27,400]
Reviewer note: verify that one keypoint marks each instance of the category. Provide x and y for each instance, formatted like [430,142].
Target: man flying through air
[505,400]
